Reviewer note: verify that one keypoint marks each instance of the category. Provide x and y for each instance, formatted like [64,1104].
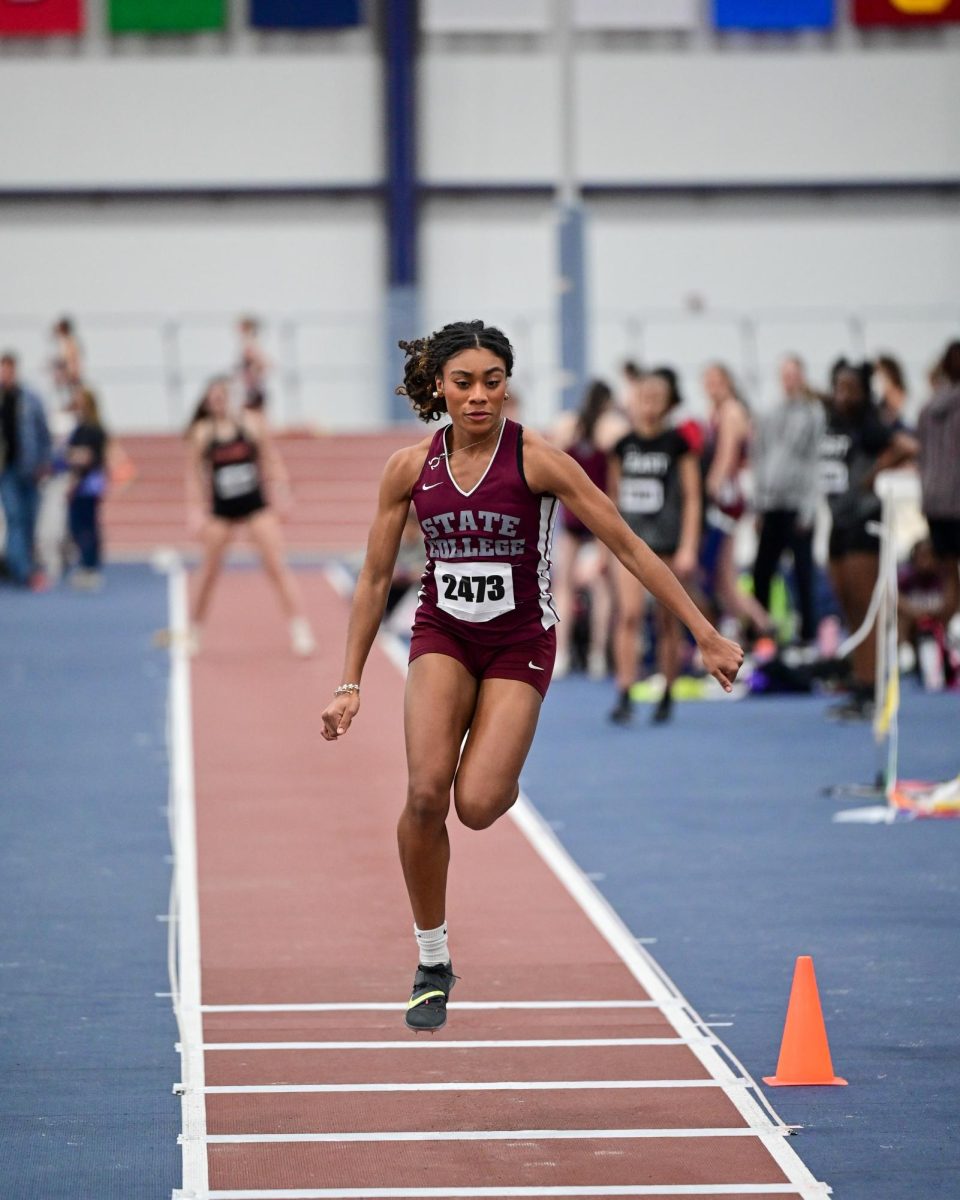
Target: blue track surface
[712,836]
[87,1059]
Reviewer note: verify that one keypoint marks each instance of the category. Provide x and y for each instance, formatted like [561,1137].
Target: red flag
[905,12]
[40,18]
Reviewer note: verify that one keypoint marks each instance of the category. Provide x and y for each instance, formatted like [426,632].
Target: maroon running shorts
[530,661]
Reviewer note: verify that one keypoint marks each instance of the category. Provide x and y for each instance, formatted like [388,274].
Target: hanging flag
[40,18]
[304,14]
[773,14]
[166,16]
[905,12]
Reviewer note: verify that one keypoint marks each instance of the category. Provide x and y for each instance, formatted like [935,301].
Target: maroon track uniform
[485,593]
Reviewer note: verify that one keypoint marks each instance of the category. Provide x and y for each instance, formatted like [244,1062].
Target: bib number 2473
[475,591]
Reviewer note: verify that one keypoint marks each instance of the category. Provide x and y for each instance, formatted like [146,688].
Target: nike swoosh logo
[427,486]
[534,667]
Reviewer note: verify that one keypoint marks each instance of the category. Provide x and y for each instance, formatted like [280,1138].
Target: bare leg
[626,634]
[488,779]
[949,569]
[438,707]
[267,537]
[216,535]
[668,650]
[861,577]
[601,607]
[562,587]
[735,602]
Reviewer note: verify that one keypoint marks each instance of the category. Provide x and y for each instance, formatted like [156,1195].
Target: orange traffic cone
[804,1053]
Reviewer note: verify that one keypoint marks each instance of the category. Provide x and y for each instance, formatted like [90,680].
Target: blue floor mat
[713,836]
[87,1060]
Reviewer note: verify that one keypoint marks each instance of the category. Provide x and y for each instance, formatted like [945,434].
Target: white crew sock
[432,944]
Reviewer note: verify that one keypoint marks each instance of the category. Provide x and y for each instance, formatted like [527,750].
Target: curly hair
[426,357]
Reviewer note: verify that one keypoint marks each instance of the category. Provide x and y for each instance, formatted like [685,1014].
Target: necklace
[433,463]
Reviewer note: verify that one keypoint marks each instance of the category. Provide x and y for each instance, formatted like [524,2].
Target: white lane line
[659,986]
[400,1006]
[184,832]
[487,1135]
[443,1044]
[524,1085]
[482,1193]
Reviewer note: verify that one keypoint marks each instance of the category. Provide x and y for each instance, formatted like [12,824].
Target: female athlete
[230,454]
[486,491]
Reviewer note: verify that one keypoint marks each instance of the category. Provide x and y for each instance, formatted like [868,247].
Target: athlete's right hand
[337,716]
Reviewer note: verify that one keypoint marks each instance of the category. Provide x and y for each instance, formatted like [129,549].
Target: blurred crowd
[769,517]
[755,489]
[58,459]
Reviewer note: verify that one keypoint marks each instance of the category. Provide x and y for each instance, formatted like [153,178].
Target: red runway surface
[311,1084]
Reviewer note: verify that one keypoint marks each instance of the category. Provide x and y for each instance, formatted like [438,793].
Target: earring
[506,395]
[436,395]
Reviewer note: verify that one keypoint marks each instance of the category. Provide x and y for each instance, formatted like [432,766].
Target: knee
[427,804]
[479,809]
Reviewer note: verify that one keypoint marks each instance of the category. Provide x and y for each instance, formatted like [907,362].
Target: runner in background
[725,455]
[855,448]
[655,483]
[86,453]
[233,462]
[939,437]
[581,562]
[785,454]
[483,647]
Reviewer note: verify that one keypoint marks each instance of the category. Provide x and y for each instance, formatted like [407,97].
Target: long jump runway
[569,1066]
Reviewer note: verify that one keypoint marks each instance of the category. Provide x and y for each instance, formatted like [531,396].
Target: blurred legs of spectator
[581,563]
[85,531]
[20,498]
[52,525]
[778,533]
[853,577]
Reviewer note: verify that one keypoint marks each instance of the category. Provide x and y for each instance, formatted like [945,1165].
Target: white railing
[327,368]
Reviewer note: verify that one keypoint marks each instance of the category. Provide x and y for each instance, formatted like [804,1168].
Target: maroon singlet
[487,578]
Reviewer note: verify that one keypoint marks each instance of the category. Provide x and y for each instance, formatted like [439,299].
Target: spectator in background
[254,365]
[24,462]
[855,448]
[66,363]
[52,522]
[890,387]
[655,484]
[87,459]
[784,453]
[724,457]
[580,561]
[939,436]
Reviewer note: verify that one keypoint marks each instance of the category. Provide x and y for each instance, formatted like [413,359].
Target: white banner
[539,16]
[635,14]
[487,16]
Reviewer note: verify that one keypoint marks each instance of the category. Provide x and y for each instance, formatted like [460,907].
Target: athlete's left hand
[722,658]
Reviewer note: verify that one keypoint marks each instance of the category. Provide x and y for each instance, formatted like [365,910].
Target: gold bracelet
[344,688]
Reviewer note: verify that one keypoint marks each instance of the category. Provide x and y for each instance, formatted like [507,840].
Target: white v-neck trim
[496,449]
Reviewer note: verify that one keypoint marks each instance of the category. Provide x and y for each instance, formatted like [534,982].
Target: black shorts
[945,535]
[852,539]
[239,508]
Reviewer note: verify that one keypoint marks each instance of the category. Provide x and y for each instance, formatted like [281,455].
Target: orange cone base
[773,1081]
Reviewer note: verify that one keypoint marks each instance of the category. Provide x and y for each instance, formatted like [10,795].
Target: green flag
[166,16]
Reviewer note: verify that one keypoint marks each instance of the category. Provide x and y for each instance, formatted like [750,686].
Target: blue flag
[774,14]
[304,14]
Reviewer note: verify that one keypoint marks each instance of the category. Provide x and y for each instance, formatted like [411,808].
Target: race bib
[236,479]
[474,592]
[642,497]
[834,477]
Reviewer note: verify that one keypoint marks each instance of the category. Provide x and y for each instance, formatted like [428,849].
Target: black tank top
[235,479]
